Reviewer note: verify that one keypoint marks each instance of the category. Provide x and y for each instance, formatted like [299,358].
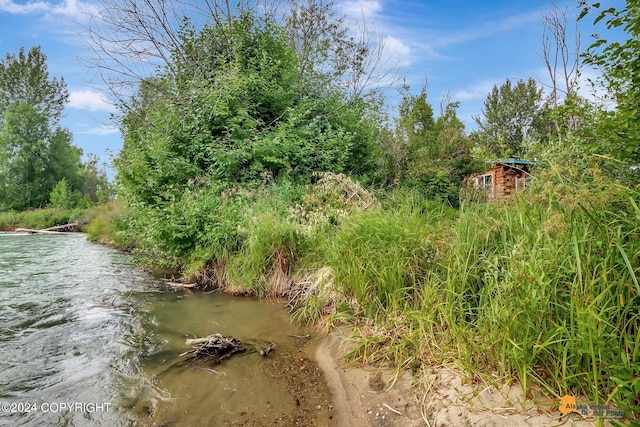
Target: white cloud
[487,29]
[101,130]
[9,6]
[72,8]
[398,52]
[361,8]
[98,129]
[89,100]
[476,91]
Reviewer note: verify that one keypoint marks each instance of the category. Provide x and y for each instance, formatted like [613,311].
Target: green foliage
[618,60]
[61,195]
[95,185]
[378,257]
[432,156]
[272,247]
[251,123]
[108,225]
[227,118]
[511,114]
[25,79]
[35,153]
[33,158]
[543,289]
[330,58]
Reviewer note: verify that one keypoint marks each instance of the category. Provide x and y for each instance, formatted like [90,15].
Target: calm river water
[88,339]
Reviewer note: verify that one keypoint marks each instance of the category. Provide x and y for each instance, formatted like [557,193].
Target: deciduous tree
[435,153]
[512,113]
[35,152]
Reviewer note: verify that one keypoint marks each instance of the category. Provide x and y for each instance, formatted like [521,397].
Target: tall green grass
[379,256]
[544,294]
[107,225]
[264,264]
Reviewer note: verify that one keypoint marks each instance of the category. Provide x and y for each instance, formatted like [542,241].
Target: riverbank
[39,219]
[517,292]
[363,397]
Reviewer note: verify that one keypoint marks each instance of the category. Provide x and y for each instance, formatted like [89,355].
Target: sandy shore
[361,398]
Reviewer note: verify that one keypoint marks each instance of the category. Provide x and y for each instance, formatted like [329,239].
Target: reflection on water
[80,325]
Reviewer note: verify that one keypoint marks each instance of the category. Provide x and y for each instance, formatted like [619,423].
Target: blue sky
[462,47]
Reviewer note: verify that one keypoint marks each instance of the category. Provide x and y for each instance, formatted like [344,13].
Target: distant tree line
[39,165]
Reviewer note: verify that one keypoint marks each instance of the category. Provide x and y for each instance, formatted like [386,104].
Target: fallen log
[32,231]
[214,346]
[73,227]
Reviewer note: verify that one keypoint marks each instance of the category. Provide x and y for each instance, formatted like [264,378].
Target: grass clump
[107,225]
[378,257]
[264,264]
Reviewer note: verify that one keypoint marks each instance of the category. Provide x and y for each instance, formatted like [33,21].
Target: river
[86,338]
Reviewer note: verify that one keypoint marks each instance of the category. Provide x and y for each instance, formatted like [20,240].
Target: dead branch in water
[214,346]
[267,350]
[179,285]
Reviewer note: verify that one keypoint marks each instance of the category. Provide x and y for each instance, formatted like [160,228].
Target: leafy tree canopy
[512,113]
[621,71]
[35,152]
[24,79]
[435,153]
[230,109]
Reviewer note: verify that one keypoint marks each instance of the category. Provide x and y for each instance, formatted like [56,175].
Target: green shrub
[107,225]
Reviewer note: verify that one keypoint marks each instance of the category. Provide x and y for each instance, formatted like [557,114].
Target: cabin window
[521,183]
[484,182]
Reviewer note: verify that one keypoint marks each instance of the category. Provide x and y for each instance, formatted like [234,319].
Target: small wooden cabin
[504,178]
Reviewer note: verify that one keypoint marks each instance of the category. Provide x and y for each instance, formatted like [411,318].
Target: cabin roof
[513,161]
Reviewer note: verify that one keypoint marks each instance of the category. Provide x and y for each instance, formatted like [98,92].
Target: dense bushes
[227,120]
[234,112]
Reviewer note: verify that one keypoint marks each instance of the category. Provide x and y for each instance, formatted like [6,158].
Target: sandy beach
[362,397]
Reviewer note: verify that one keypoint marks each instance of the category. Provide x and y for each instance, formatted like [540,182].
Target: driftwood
[218,347]
[214,346]
[32,231]
[73,227]
[179,285]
